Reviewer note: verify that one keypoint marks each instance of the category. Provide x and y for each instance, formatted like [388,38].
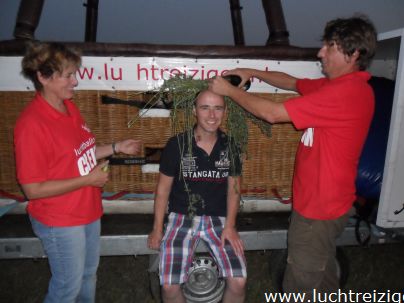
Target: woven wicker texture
[268,165]
[11,104]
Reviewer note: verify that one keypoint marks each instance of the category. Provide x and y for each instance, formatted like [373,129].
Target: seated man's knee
[236,284]
[171,291]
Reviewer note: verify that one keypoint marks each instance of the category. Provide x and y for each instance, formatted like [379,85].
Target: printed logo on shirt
[308,137]
[84,145]
[224,162]
[86,128]
[188,163]
[87,161]
[203,175]
[190,170]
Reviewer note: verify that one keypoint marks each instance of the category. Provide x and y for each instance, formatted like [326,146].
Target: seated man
[201,182]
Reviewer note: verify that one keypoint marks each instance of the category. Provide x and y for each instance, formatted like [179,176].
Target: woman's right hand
[99,175]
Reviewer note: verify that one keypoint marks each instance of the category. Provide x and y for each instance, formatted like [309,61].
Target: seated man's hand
[154,239]
[230,234]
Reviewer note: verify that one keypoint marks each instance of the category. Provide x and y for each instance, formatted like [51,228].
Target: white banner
[148,73]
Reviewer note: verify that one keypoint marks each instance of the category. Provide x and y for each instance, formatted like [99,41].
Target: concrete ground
[124,279]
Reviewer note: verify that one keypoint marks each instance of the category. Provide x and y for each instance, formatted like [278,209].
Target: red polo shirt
[335,115]
[50,145]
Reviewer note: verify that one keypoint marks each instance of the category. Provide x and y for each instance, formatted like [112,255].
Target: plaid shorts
[180,240]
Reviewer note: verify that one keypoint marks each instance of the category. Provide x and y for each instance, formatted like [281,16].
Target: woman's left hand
[128,146]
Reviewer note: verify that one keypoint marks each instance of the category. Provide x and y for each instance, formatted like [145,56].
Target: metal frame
[116,245]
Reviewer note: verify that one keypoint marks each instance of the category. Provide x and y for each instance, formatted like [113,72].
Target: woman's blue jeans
[73,254]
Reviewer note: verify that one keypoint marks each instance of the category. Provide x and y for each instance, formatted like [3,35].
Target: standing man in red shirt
[335,113]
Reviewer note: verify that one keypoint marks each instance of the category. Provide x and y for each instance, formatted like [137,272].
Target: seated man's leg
[174,259]
[235,289]
[172,293]
[231,266]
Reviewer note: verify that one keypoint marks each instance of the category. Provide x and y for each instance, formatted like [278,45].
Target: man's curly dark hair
[353,34]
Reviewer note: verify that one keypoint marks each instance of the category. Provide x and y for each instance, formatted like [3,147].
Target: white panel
[148,73]
[392,193]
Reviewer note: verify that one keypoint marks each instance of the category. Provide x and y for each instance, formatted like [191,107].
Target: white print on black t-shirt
[223,162]
[190,170]
[87,161]
[188,163]
[207,174]
[308,137]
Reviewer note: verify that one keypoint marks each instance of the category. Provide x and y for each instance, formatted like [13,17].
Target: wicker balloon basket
[268,165]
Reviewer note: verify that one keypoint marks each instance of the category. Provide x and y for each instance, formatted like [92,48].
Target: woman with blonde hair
[56,161]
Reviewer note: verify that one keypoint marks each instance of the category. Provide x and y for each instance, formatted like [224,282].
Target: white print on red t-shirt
[84,145]
[87,161]
[308,137]
[86,128]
